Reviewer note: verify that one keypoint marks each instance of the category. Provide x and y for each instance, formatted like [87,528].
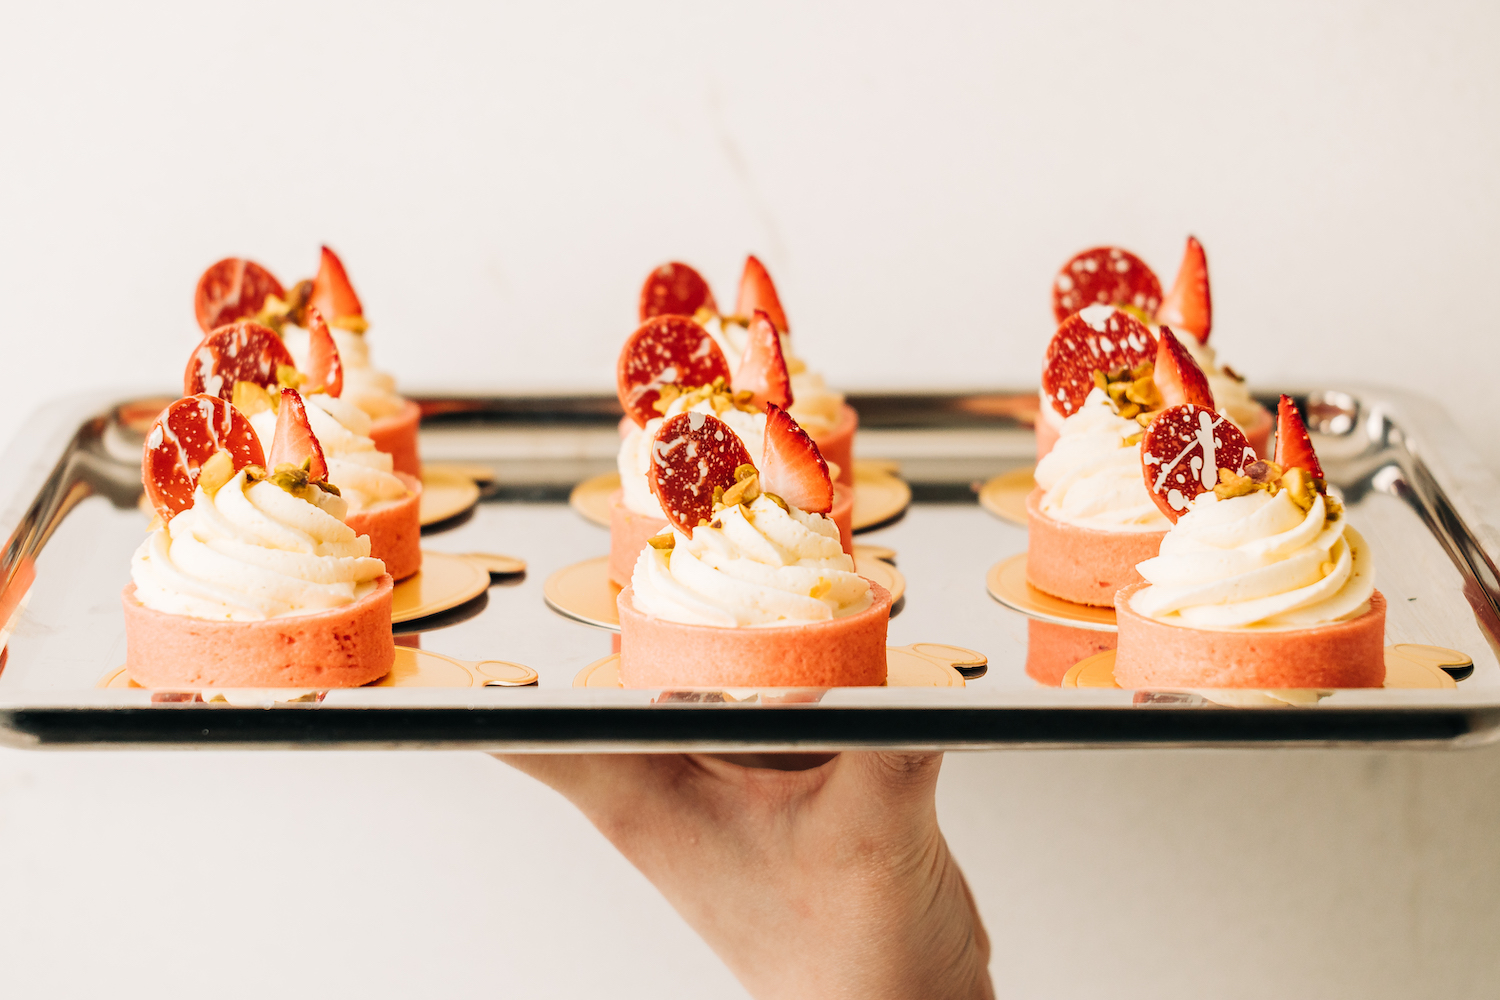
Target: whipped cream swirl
[1092,478]
[253,551]
[371,390]
[815,406]
[363,475]
[634,459]
[1257,561]
[764,566]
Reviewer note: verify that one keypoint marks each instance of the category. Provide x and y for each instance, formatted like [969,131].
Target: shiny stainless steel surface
[1430,509]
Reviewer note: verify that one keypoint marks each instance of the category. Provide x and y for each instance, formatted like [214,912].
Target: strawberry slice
[233,289]
[1188,305]
[692,454]
[675,289]
[325,369]
[1097,339]
[331,292]
[763,367]
[1182,452]
[240,352]
[1294,449]
[1105,276]
[182,438]
[758,293]
[1177,375]
[666,350]
[792,467]
[293,442]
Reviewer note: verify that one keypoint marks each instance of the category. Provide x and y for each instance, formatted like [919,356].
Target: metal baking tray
[69,517]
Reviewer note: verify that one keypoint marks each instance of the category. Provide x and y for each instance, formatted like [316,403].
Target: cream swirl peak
[1092,476]
[252,550]
[757,564]
[1258,560]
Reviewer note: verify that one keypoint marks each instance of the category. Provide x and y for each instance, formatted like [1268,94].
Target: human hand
[809,876]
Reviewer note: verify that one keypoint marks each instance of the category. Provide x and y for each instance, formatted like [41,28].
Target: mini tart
[1082,565]
[397,434]
[842,652]
[1258,434]
[1342,654]
[342,647]
[629,531]
[837,446]
[1052,650]
[395,529]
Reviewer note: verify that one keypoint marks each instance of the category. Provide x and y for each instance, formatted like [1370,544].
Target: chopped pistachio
[1300,487]
[663,542]
[297,480]
[744,491]
[251,398]
[1100,382]
[214,473]
[353,324]
[1134,439]
[777,501]
[289,378]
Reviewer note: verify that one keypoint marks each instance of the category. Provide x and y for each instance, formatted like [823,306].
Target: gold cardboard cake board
[1005,495]
[918,665]
[879,495]
[413,668]
[1006,582]
[1406,666]
[445,581]
[477,471]
[445,494]
[584,592]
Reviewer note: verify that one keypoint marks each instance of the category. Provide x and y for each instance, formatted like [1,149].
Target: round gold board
[1005,495]
[585,593]
[1406,666]
[445,494]
[445,581]
[906,666]
[1006,582]
[879,495]
[413,668]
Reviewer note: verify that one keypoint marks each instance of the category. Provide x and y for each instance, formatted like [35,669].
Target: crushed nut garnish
[777,501]
[251,398]
[353,324]
[276,313]
[214,473]
[295,479]
[1268,477]
[665,542]
[717,392]
[289,378]
[1132,392]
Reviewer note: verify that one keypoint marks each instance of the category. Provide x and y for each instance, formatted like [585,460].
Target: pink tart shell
[843,652]
[1052,650]
[397,434]
[1344,654]
[628,531]
[1082,565]
[838,444]
[343,647]
[395,530]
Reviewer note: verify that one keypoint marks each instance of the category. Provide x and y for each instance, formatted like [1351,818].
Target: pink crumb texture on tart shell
[842,652]
[1258,434]
[629,531]
[397,434]
[339,648]
[1343,654]
[1052,650]
[1082,565]
[395,530]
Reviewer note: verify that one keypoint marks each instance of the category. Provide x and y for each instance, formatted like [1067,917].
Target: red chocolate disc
[1103,341]
[183,437]
[1182,452]
[667,350]
[675,290]
[1105,276]
[240,352]
[690,455]
[233,289]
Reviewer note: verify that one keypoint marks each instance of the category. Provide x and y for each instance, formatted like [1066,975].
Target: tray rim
[1455,487]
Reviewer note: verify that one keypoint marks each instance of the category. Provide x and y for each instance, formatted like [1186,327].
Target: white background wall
[500,179]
